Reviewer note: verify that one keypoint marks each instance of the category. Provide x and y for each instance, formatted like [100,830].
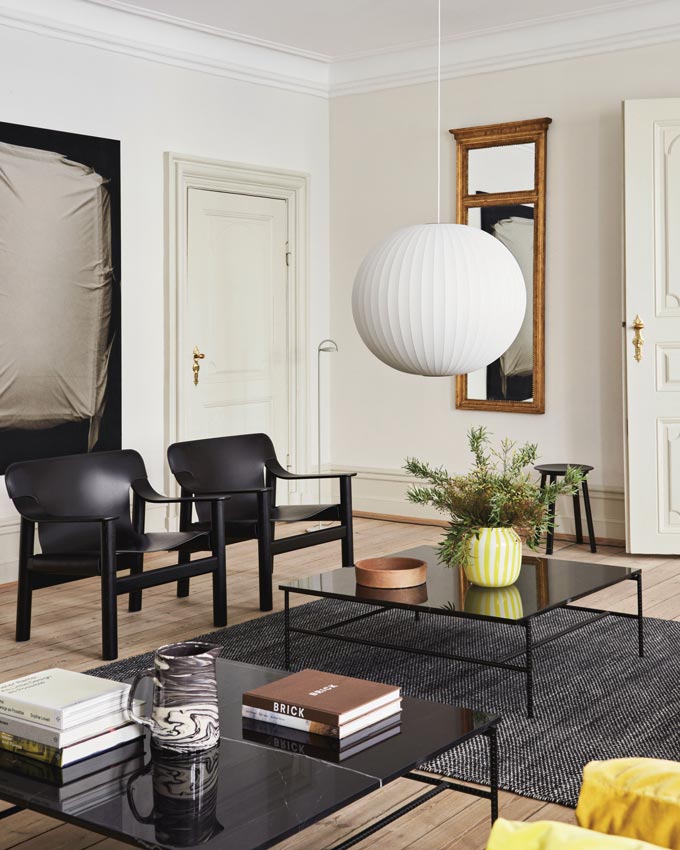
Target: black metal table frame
[503,663]
[439,784]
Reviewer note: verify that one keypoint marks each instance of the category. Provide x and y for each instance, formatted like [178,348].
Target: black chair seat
[300,513]
[128,542]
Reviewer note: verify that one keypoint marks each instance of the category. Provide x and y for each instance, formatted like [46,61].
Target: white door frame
[184,172]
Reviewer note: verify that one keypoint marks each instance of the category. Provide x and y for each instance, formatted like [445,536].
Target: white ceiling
[337,29]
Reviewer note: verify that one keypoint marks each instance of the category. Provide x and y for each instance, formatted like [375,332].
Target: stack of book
[60,717]
[323,715]
[76,788]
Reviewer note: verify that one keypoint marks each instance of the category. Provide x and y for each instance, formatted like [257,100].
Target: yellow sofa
[550,835]
[635,797]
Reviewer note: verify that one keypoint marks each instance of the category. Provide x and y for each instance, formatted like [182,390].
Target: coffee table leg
[286,629]
[492,735]
[641,637]
[530,670]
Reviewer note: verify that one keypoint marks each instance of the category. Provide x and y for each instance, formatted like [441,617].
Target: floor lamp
[324,347]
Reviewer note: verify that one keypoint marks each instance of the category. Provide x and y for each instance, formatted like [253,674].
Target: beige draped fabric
[517,234]
[56,282]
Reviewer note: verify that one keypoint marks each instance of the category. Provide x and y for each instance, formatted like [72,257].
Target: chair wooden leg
[184,552]
[219,578]
[346,521]
[135,598]
[264,552]
[108,594]
[24,602]
[25,588]
[183,555]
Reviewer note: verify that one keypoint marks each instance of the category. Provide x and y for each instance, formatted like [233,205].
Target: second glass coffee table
[544,585]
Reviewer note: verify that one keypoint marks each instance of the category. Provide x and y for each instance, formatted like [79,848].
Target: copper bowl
[390,572]
[406,595]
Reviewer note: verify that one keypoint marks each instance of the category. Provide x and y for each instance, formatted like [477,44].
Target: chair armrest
[30,508]
[187,482]
[142,488]
[278,471]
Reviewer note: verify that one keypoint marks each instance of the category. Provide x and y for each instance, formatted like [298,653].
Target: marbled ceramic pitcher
[185,714]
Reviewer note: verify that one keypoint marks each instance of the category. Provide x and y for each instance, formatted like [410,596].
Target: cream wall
[383,173]
[152,108]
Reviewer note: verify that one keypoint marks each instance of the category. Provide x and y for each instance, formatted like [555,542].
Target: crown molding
[230,35]
[119,27]
[168,42]
[617,26]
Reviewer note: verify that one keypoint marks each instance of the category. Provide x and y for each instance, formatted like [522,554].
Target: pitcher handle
[130,710]
[150,818]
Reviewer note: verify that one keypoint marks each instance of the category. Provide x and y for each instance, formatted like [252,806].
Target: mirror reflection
[503,168]
[510,377]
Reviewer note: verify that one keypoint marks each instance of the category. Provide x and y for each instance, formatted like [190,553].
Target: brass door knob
[638,339]
[197,367]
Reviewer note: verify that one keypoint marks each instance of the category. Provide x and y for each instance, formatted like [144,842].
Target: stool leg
[589,516]
[551,528]
[577,518]
[537,539]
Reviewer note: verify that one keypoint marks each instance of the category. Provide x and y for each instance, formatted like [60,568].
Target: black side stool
[552,471]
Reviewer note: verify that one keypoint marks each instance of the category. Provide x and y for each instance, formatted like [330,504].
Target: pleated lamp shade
[439,299]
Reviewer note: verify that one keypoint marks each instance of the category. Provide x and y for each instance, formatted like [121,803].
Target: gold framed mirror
[500,187]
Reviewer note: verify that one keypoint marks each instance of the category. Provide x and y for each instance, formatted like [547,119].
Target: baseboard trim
[442,523]
[382,493]
[410,520]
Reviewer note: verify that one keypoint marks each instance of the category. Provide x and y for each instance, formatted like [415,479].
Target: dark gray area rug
[595,698]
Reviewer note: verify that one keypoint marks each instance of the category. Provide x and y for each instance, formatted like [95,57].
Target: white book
[61,698]
[317,728]
[52,737]
[76,752]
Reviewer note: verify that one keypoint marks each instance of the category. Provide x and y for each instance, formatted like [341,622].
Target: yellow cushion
[639,798]
[549,835]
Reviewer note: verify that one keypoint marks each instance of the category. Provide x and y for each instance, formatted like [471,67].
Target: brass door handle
[196,367]
[638,339]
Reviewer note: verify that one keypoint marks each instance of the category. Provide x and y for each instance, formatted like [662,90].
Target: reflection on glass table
[184,794]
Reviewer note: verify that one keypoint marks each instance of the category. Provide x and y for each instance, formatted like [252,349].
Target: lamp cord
[439,107]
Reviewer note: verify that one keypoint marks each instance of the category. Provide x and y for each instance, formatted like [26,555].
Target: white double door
[652,293]
[235,313]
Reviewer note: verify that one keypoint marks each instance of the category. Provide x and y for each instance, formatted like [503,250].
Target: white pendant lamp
[439,299]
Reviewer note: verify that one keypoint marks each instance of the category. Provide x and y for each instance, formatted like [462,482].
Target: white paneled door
[652,299]
[235,318]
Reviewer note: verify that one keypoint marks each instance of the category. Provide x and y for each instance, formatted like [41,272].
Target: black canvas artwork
[516,387]
[60,358]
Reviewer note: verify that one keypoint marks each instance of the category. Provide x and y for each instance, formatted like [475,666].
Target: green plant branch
[498,492]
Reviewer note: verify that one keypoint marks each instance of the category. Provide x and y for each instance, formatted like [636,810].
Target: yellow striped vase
[495,557]
[503,602]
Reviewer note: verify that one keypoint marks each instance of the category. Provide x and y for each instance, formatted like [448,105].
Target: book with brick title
[322,703]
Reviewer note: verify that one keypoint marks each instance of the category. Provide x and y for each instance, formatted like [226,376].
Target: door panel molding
[184,172]
[651,292]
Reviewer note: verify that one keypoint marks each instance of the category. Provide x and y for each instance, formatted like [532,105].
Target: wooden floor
[66,633]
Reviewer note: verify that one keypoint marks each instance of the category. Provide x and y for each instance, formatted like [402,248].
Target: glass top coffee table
[544,585]
[244,795]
